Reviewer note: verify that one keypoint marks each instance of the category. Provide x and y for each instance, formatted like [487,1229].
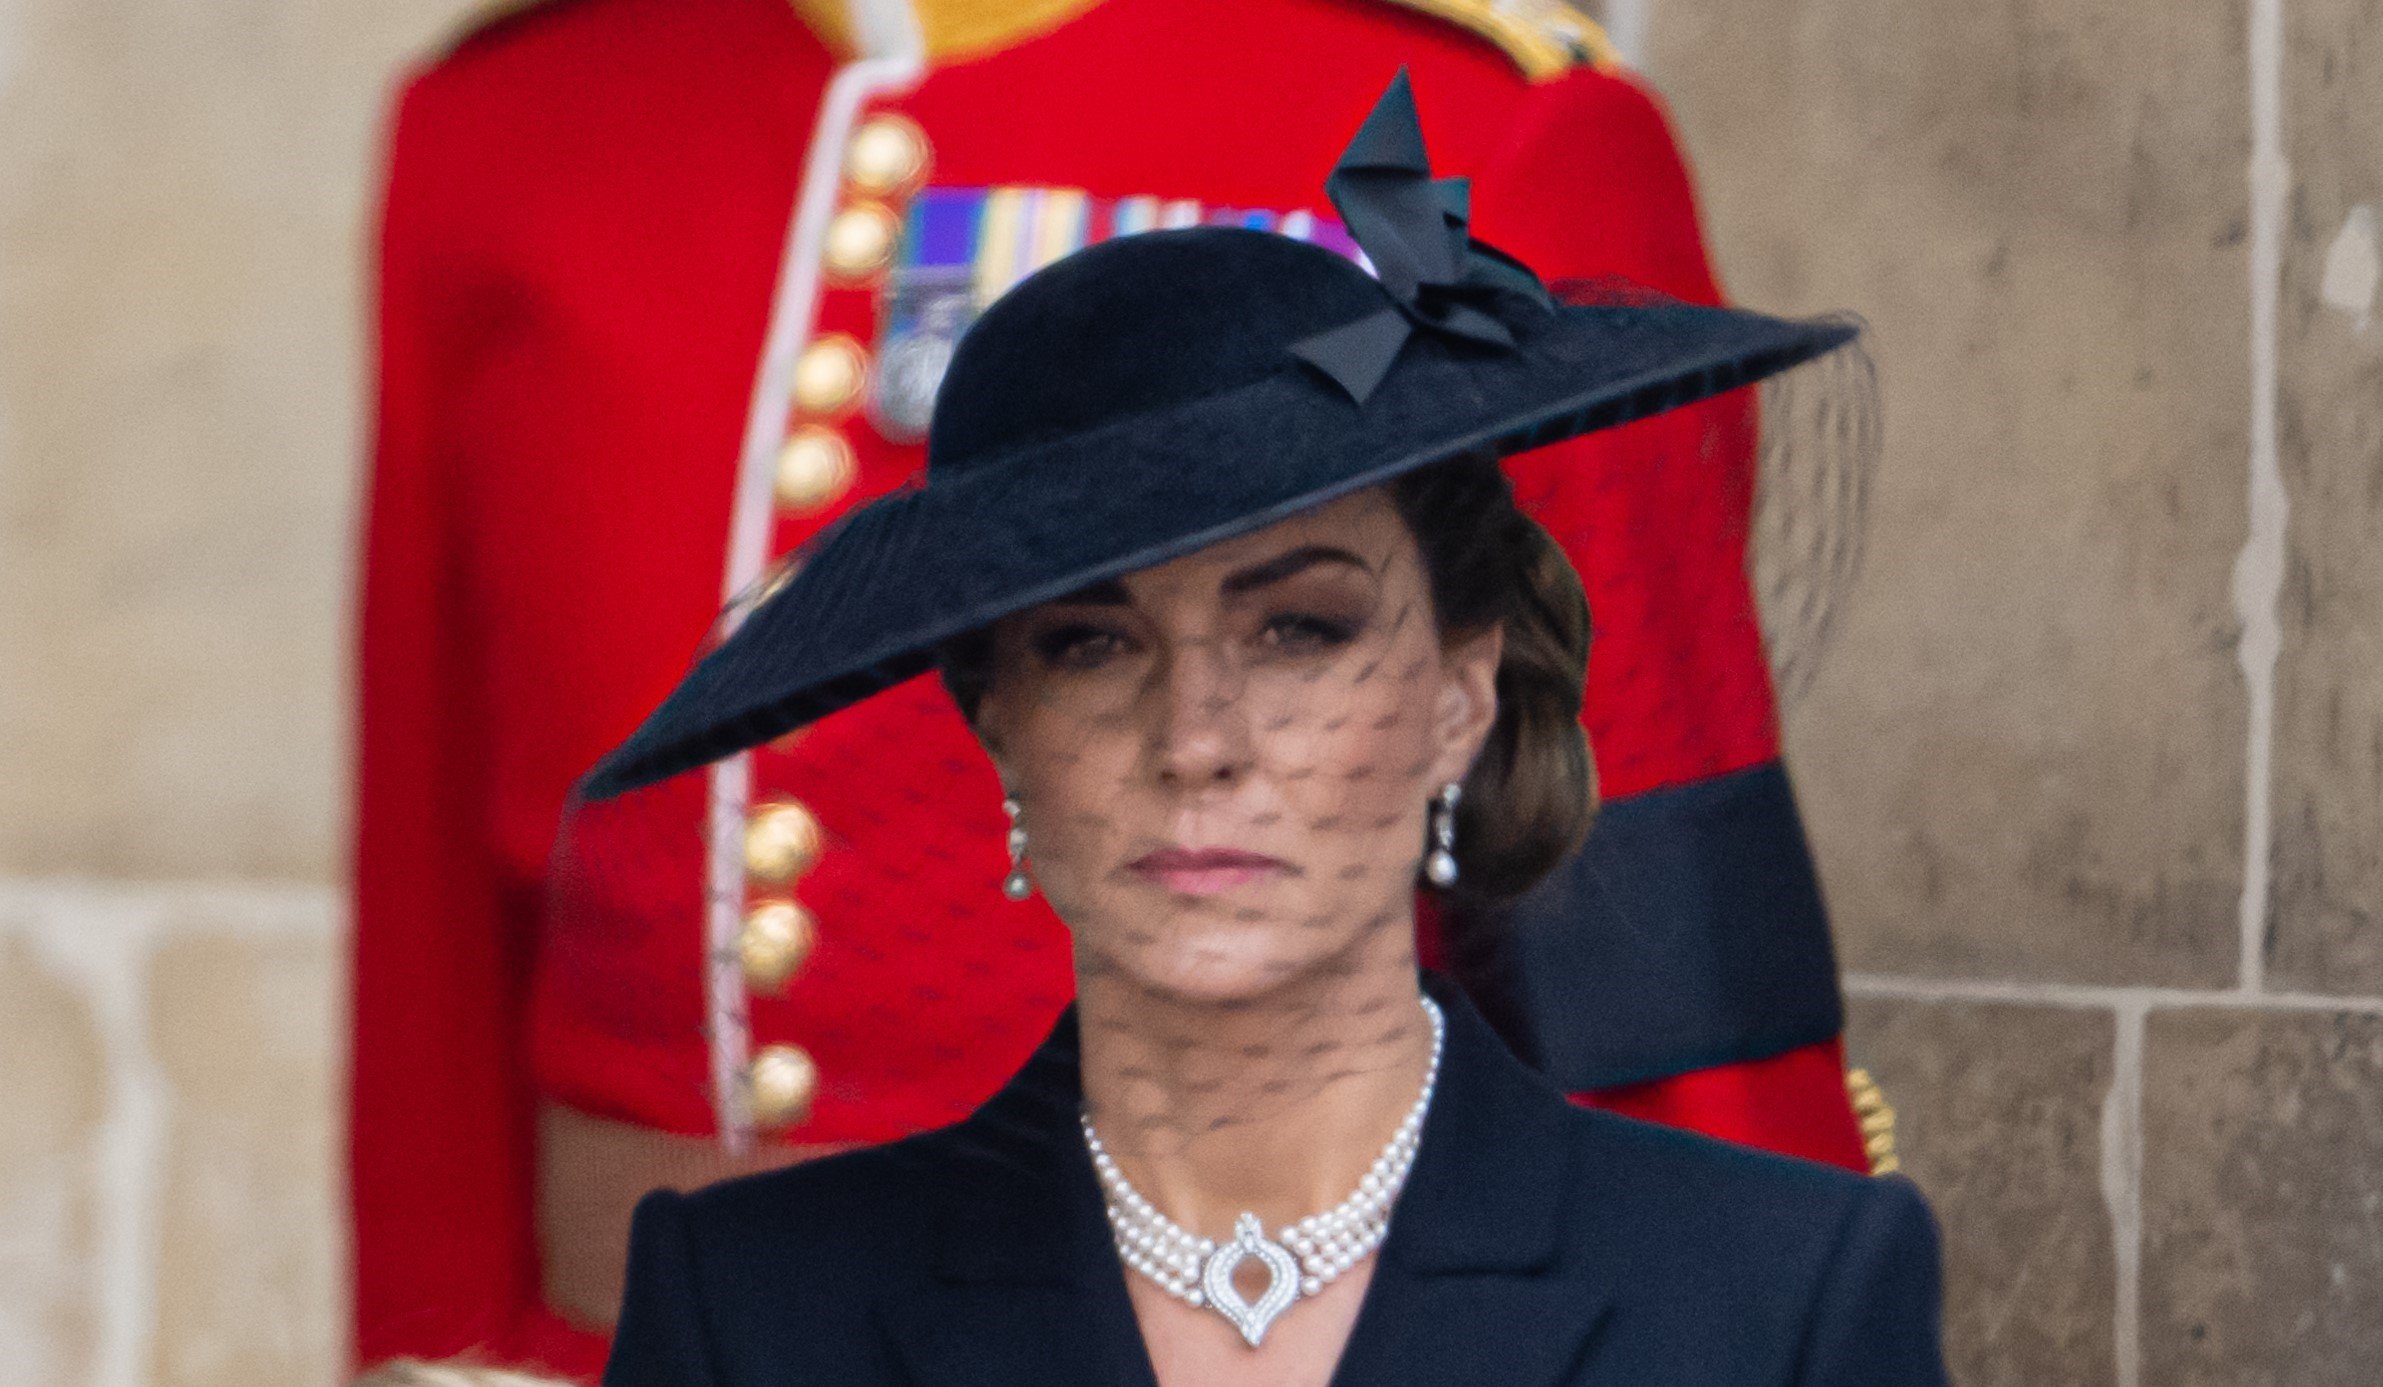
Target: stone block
[2327,904]
[53,1090]
[181,325]
[2262,1199]
[251,1247]
[2023,757]
[1998,1118]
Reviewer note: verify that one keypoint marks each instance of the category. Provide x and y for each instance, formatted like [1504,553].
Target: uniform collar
[1024,1272]
[954,30]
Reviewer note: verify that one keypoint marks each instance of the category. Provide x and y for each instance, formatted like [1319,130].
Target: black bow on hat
[1415,230]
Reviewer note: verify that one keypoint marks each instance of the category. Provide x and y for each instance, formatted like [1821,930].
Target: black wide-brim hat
[1152,395]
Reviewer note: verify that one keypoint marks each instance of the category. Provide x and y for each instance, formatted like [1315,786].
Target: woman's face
[1224,762]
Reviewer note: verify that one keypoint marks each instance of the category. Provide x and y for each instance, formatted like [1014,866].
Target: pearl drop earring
[1440,865]
[1016,885]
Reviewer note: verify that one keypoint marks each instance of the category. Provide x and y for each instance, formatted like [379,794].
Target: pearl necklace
[1301,1259]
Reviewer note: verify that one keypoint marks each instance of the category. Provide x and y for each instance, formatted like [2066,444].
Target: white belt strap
[892,57]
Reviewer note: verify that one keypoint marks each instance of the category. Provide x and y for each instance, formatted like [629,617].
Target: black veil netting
[808,942]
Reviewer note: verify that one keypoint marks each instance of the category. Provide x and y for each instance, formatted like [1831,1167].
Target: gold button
[782,840]
[887,156]
[783,1081]
[815,468]
[829,375]
[860,242]
[775,941]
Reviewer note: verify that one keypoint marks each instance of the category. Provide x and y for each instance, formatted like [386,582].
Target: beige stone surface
[2328,852]
[1998,1118]
[180,302]
[2263,1200]
[52,1098]
[2023,758]
[251,1259]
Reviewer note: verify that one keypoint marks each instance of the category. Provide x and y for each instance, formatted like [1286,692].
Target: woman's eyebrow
[1282,566]
[1112,593]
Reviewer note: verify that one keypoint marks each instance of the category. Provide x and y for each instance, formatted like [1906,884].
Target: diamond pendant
[1253,1319]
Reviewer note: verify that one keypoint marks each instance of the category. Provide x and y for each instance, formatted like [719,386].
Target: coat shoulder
[774,1277]
[823,1213]
[1746,1265]
[1774,1215]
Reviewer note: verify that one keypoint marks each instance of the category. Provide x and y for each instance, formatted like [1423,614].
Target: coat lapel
[1479,1280]
[1024,1287]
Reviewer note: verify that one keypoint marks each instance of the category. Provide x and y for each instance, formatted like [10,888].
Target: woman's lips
[1203,871]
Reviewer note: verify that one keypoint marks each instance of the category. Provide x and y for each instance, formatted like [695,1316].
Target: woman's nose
[1200,732]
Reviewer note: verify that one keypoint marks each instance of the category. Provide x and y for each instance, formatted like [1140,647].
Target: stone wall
[183,199]
[2095,769]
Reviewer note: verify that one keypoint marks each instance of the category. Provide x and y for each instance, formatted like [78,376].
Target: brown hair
[1532,793]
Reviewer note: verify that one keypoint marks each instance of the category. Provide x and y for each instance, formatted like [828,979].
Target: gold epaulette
[1877,1119]
[486,17]
[1545,38]
[953,30]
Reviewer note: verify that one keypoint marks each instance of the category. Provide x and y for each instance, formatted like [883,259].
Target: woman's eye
[1304,631]
[1077,647]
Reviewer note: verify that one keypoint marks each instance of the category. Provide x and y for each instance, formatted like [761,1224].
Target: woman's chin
[1208,983]
[1220,962]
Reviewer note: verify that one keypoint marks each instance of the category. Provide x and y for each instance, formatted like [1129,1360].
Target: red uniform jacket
[585,217]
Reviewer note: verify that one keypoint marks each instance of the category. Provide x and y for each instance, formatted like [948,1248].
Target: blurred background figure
[587,247]
[2084,770]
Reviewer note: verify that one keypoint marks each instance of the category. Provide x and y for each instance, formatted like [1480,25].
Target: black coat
[1536,1243]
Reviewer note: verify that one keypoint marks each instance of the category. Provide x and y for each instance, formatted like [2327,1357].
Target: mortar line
[2259,567]
[109,964]
[163,907]
[2061,994]
[2122,1187]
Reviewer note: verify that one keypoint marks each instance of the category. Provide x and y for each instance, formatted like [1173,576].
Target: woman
[1215,555]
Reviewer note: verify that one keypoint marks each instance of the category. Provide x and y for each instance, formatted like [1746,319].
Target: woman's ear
[1468,704]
